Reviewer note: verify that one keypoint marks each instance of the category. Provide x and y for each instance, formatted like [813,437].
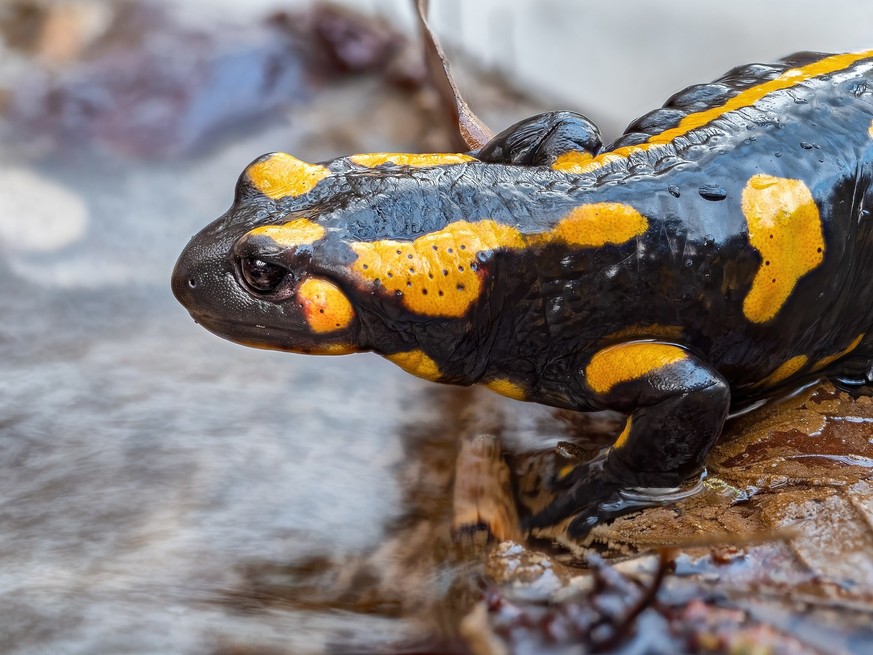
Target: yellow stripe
[747,98]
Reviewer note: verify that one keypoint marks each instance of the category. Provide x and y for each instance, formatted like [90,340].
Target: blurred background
[162,491]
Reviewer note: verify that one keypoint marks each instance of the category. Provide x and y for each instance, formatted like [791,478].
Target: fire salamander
[720,252]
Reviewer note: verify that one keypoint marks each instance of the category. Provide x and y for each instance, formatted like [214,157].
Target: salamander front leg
[676,406]
[543,139]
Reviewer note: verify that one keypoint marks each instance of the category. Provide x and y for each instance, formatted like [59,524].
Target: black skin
[545,310]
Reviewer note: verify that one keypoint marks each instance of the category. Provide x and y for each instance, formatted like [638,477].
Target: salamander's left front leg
[676,406]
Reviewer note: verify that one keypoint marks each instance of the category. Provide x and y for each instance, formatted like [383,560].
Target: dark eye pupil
[260,275]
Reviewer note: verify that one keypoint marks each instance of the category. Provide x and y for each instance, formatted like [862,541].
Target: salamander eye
[260,275]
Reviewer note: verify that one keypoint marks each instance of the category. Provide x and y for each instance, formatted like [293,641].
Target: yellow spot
[572,158]
[417,363]
[785,371]
[373,159]
[281,175]
[437,273]
[622,438]
[870,130]
[824,361]
[785,228]
[747,98]
[629,361]
[506,388]
[596,225]
[299,232]
[325,307]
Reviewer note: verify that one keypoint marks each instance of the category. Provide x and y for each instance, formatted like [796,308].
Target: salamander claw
[584,491]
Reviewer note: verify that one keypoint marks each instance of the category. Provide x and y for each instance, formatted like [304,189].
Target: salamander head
[297,262]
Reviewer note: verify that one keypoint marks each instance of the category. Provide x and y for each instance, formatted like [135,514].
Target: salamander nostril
[192,282]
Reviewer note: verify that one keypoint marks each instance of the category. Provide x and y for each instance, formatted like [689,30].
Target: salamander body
[719,253]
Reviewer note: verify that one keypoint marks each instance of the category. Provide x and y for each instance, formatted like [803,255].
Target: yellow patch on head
[596,225]
[746,98]
[507,388]
[785,371]
[436,274]
[622,438]
[629,361]
[785,228]
[373,159]
[830,359]
[282,175]
[325,307]
[870,130]
[299,232]
[417,363]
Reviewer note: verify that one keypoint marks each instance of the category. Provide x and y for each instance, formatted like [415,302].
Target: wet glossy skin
[718,253]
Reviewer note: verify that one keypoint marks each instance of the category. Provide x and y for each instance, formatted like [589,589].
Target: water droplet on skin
[674,190]
[712,192]
[761,183]
[805,145]
[777,154]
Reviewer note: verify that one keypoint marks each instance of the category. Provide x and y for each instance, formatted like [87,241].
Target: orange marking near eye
[417,363]
[507,388]
[824,361]
[629,361]
[299,232]
[280,175]
[785,228]
[373,159]
[785,371]
[325,307]
[746,98]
